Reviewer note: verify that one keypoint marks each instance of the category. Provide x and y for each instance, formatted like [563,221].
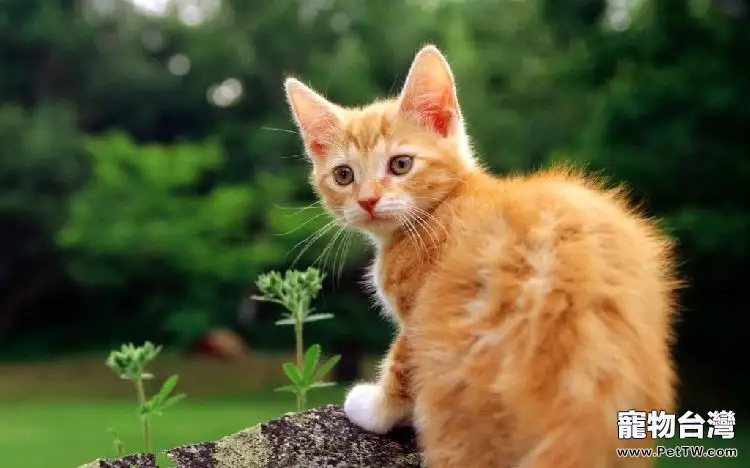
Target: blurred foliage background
[149,168]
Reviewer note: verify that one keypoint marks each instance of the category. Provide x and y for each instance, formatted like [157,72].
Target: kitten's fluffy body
[530,309]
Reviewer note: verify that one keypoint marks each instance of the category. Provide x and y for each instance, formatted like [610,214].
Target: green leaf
[168,386]
[144,410]
[312,357]
[287,388]
[293,373]
[286,321]
[173,400]
[117,442]
[317,317]
[266,299]
[322,384]
[158,403]
[325,368]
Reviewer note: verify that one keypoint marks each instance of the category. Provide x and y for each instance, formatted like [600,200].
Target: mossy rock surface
[319,438]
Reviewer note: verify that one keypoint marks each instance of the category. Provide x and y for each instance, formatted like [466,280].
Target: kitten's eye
[400,165]
[343,175]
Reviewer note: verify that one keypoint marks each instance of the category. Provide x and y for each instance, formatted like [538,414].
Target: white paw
[365,407]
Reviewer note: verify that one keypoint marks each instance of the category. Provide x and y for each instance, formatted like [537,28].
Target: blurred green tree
[141,220]
[35,183]
[171,135]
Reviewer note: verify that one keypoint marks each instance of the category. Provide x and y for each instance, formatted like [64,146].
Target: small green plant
[296,291]
[129,363]
[117,442]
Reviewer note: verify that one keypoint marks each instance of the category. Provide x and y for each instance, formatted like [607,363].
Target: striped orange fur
[530,309]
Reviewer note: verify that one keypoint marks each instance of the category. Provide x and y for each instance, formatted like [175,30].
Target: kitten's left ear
[317,119]
[429,93]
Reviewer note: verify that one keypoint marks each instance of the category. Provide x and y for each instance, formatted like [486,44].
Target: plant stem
[301,400]
[139,390]
[300,351]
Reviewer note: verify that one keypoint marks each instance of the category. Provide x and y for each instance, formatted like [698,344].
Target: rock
[319,438]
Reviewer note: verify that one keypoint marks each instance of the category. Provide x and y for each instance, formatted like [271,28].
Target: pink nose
[368,204]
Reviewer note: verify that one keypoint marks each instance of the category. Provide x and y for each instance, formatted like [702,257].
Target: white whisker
[344,250]
[412,234]
[323,213]
[298,209]
[311,239]
[285,130]
[327,250]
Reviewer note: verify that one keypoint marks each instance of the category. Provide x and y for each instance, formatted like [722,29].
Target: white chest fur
[385,300]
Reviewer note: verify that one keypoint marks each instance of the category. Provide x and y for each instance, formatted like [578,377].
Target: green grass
[68,434]
[56,415]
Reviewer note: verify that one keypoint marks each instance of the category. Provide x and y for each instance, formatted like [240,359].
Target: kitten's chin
[379,226]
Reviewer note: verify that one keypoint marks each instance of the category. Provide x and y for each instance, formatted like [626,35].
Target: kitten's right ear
[318,119]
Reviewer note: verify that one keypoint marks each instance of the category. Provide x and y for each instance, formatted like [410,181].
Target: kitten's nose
[368,204]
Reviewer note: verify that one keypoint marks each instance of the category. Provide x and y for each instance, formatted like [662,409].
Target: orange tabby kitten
[530,309]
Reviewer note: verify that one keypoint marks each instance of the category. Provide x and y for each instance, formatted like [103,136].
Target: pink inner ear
[438,112]
[321,132]
[317,148]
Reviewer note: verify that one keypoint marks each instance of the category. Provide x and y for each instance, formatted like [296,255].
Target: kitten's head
[378,167]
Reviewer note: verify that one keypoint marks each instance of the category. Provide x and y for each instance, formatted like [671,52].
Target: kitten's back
[552,305]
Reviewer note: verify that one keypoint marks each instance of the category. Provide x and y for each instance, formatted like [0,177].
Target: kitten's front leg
[380,406]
